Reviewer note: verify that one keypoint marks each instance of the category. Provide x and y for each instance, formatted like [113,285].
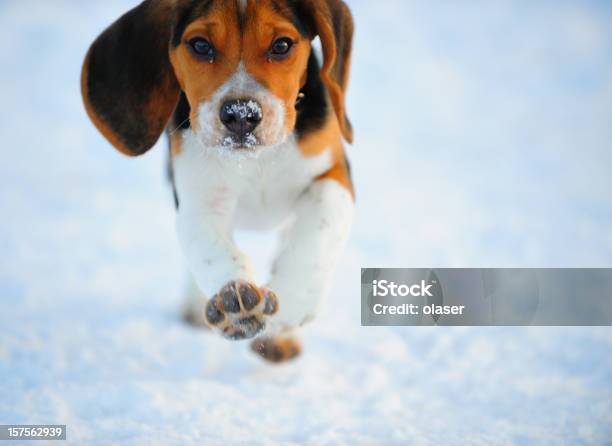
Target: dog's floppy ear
[127,82]
[331,20]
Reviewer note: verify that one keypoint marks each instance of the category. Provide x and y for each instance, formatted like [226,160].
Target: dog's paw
[240,310]
[276,348]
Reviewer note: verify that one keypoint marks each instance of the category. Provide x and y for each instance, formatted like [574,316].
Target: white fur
[220,189]
[303,270]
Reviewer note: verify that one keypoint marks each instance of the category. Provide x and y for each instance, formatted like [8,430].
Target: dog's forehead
[240,12]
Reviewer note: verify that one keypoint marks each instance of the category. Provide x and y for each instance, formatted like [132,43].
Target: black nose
[241,116]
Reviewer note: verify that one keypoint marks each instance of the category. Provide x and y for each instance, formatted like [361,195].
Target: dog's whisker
[171,132]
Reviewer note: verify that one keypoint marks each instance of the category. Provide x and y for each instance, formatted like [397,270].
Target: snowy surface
[482,139]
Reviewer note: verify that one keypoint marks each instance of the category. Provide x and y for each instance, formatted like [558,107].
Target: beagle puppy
[256,125]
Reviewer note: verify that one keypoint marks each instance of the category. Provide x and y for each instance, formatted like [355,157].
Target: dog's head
[242,65]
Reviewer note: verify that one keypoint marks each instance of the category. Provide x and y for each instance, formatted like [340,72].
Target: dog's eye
[202,48]
[280,48]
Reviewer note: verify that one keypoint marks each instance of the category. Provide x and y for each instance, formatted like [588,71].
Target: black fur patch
[180,117]
[314,108]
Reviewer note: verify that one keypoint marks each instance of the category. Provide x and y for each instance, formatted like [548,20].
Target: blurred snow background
[483,138]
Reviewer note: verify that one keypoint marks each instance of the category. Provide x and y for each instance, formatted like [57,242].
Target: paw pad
[240,309]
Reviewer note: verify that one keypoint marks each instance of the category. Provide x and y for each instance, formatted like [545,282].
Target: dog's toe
[250,296]
[277,348]
[214,315]
[270,301]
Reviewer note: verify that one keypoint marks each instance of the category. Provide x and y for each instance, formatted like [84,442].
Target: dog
[257,126]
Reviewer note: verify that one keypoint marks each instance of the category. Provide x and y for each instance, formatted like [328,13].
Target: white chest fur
[253,190]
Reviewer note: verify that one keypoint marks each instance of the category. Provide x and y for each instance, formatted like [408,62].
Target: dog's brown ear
[127,82]
[331,20]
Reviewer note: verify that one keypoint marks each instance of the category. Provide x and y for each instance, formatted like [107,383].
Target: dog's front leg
[237,307]
[302,272]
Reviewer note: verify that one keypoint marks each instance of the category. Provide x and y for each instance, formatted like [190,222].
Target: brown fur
[221,28]
[329,136]
[110,135]
[339,172]
[277,349]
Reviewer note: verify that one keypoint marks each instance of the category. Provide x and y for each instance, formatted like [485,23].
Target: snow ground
[482,139]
